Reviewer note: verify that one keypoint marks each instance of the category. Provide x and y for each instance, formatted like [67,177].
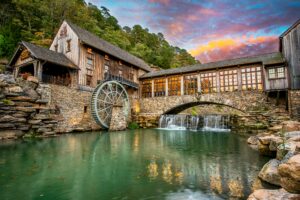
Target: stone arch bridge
[253,104]
[244,101]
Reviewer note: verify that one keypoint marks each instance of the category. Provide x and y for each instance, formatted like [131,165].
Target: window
[251,78]
[190,84]
[208,82]
[89,80]
[120,73]
[106,57]
[272,73]
[278,72]
[106,69]
[131,74]
[85,109]
[56,47]
[90,61]
[120,62]
[228,80]
[69,45]
[147,88]
[174,84]
[159,87]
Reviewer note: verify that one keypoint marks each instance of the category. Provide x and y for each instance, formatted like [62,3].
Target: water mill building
[77,61]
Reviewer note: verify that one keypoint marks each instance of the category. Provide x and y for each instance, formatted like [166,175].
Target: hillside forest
[37,21]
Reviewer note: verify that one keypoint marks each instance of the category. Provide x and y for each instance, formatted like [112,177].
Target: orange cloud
[229,48]
[213,45]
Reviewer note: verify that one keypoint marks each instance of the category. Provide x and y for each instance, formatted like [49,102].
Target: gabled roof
[266,59]
[290,28]
[100,44]
[42,53]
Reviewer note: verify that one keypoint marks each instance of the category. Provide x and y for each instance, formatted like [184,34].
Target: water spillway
[195,123]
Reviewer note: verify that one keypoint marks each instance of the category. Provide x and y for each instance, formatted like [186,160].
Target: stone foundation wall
[23,109]
[74,107]
[294,104]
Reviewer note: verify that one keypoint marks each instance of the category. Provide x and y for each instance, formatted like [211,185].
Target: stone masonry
[22,110]
[294,103]
[74,107]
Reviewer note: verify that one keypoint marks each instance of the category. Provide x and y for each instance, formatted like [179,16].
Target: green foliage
[7,102]
[133,125]
[37,21]
[194,111]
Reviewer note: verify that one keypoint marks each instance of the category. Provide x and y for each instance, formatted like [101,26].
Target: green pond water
[139,164]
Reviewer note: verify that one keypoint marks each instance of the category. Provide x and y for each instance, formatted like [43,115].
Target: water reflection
[134,165]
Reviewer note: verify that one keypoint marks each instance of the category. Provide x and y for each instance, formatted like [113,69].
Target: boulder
[289,126]
[275,129]
[6,79]
[13,90]
[290,174]
[283,149]
[264,145]
[252,140]
[281,194]
[25,84]
[266,140]
[293,134]
[275,143]
[269,172]
[33,79]
[11,134]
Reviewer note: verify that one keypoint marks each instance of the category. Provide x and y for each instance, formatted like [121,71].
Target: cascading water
[216,123]
[195,123]
[174,122]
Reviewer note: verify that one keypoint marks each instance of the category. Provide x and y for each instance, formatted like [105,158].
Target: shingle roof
[266,59]
[42,53]
[100,44]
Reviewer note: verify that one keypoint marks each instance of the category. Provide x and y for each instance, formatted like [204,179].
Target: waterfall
[195,123]
[216,123]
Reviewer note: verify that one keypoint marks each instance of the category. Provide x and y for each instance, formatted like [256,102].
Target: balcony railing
[111,77]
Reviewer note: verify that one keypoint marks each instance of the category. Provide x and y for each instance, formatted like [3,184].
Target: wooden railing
[120,79]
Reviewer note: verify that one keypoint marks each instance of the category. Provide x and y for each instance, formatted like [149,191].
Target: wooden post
[152,88]
[166,87]
[181,86]
[218,81]
[239,76]
[198,82]
[40,71]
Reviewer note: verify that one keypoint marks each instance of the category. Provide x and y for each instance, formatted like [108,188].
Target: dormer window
[68,45]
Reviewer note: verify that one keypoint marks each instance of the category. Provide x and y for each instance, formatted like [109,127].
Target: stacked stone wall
[294,104]
[23,109]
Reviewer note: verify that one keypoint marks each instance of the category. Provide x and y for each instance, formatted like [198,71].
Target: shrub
[133,125]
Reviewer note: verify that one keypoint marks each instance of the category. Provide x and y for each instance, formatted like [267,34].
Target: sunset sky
[211,30]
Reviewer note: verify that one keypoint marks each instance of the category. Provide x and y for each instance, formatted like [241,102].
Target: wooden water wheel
[107,95]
